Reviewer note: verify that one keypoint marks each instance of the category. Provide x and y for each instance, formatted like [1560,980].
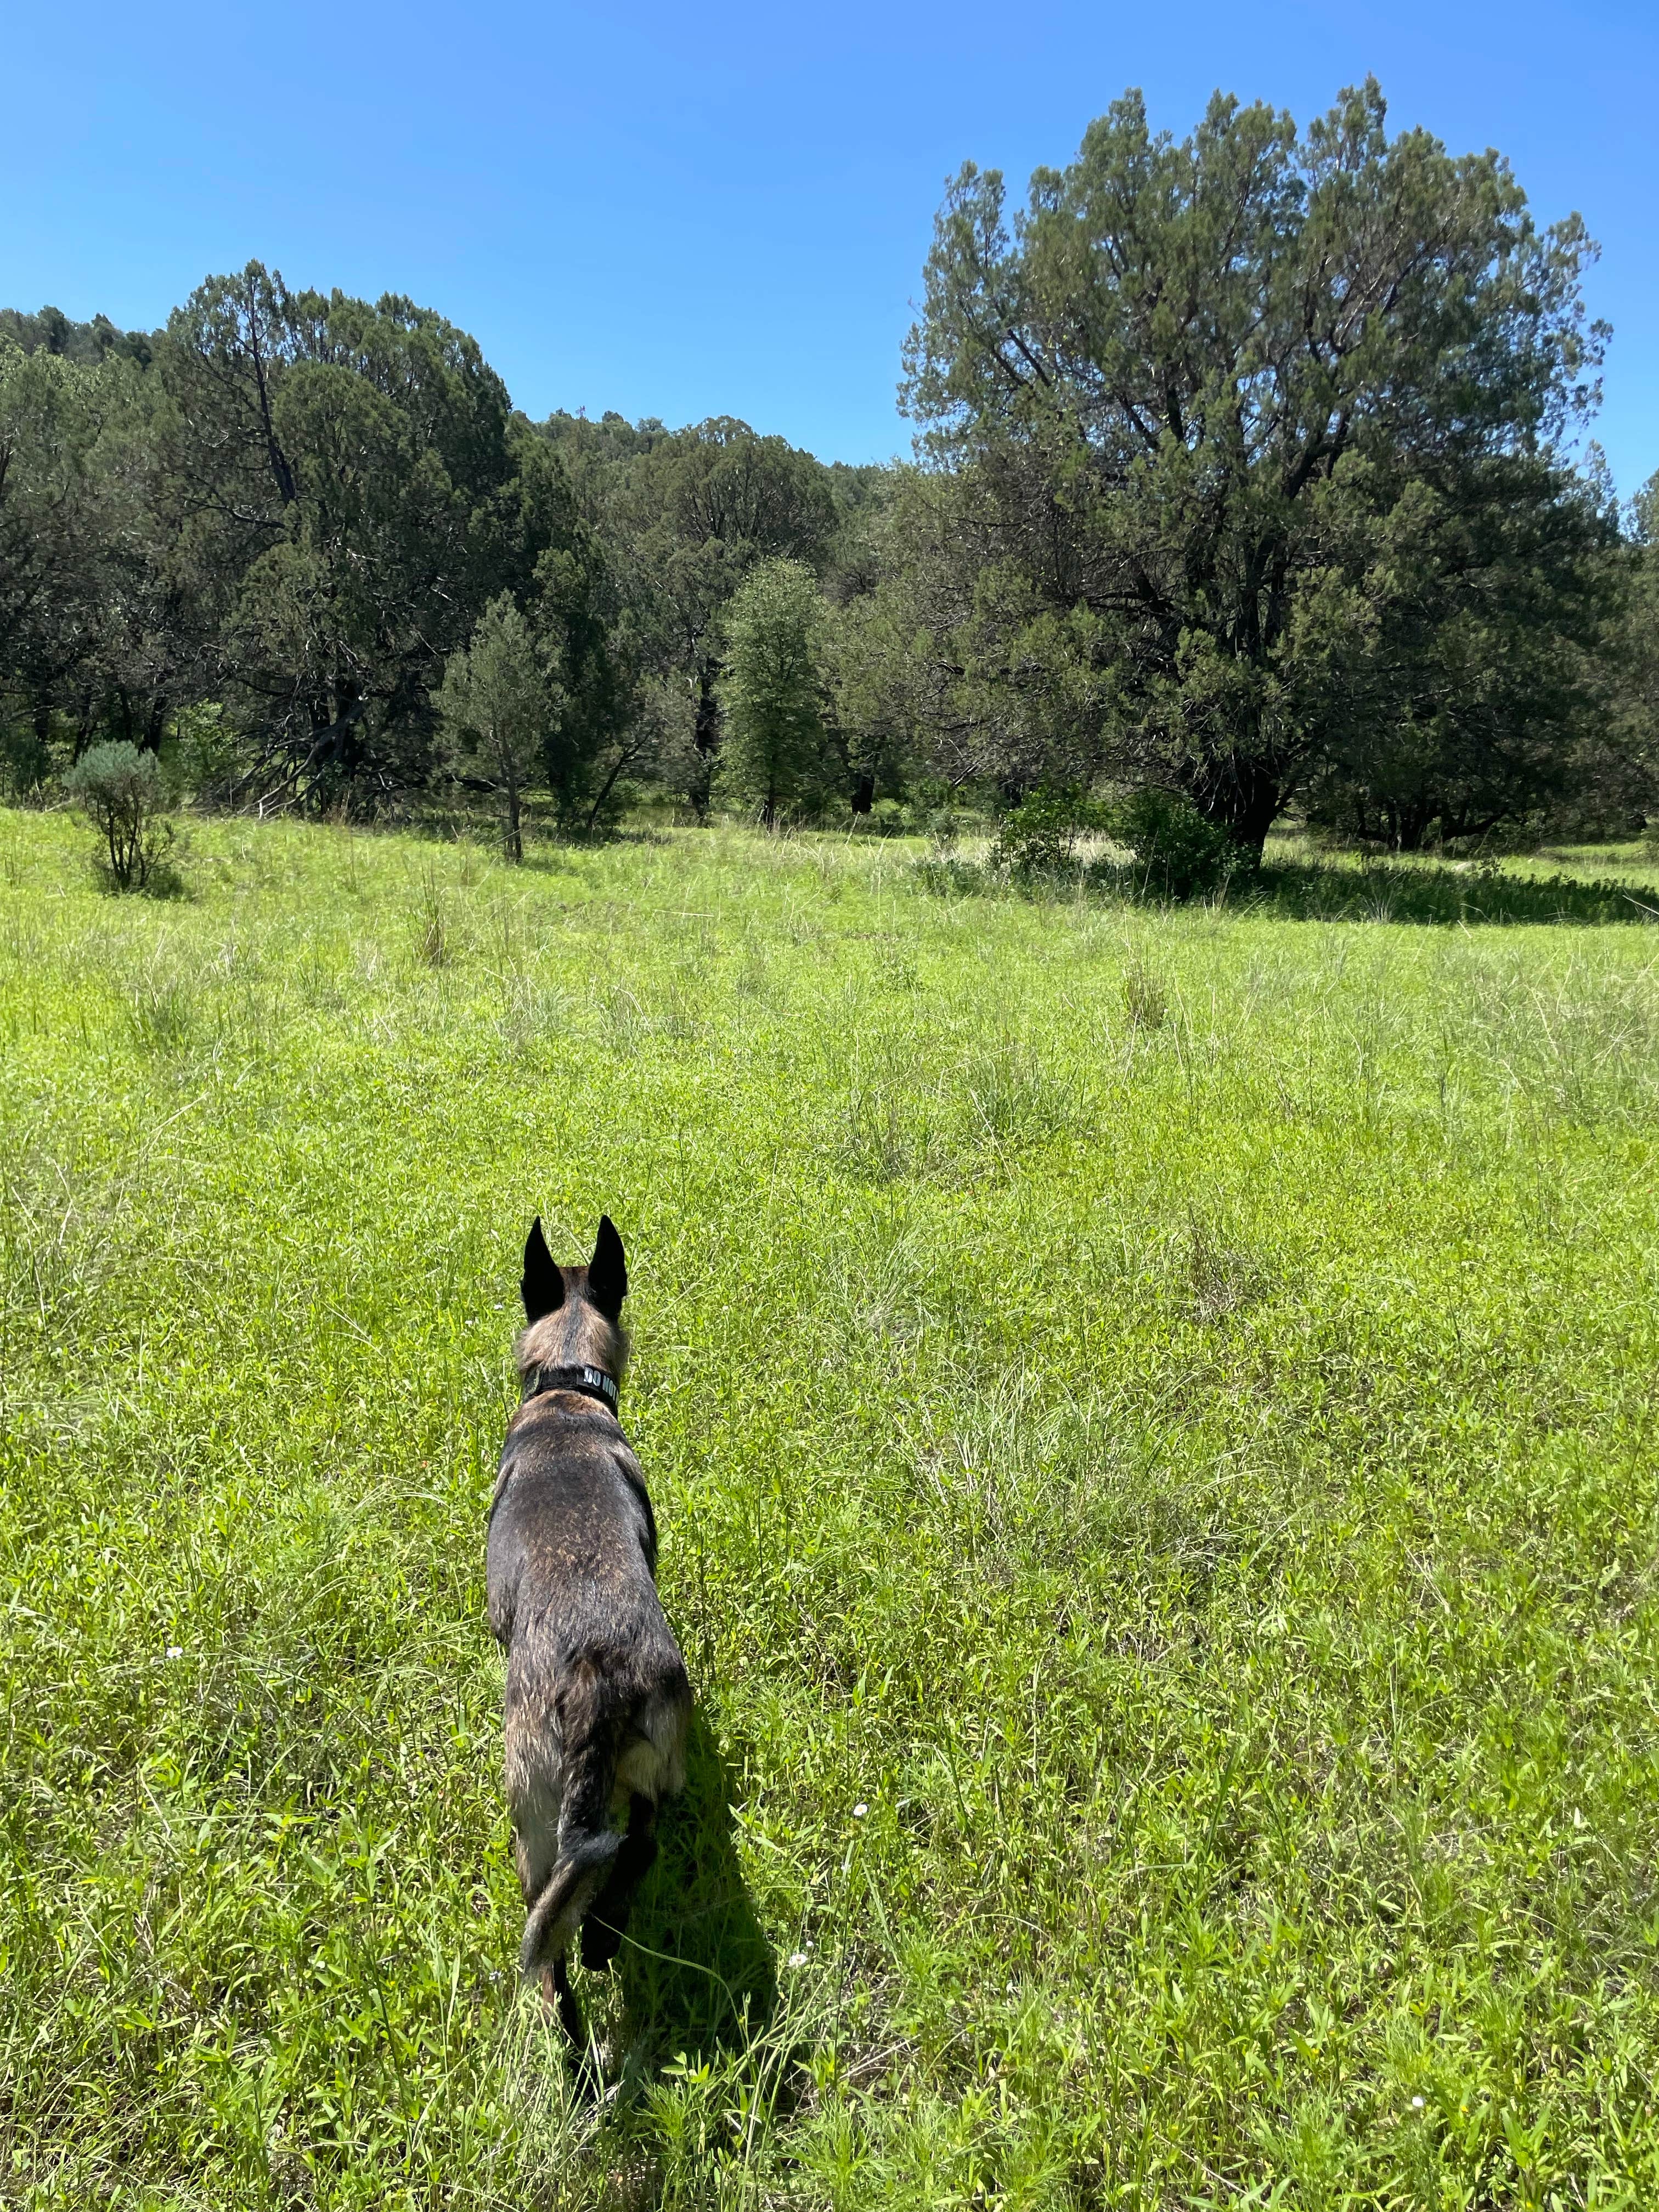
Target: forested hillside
[1252,471]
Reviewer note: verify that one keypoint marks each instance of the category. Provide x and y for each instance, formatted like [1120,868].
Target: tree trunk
[607,785]
[280,469]
[514,835]
[1243,797]
[706,736]
[705,728]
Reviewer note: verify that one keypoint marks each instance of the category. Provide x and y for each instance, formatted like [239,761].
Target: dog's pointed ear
[543,1284]
[607,1270]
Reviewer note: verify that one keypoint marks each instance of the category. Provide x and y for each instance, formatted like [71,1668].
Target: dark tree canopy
[1254,445]
[49,330]
[82,612]
[686,514]
[349,489]
[1245,481]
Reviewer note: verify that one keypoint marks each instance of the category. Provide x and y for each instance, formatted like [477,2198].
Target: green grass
[1298,883]
[1152,1420]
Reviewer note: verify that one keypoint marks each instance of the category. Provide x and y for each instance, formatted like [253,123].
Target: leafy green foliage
[1616,777]
[76,618]
[1252,464]
[684,516]
[1178,852]
[122,793]
[1246,475]
[1039,834]
[495,705]
[776,756]
[52,331]
[351,493]
[291,507]
[1150,1416]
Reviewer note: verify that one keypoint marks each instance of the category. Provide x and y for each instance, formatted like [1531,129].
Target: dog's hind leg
[558,1997]
[607,1917]
[535,1779]
[588,1844]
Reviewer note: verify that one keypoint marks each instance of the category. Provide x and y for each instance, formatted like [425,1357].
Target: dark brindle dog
[598,1702]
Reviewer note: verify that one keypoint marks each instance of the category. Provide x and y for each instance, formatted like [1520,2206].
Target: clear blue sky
[725,210]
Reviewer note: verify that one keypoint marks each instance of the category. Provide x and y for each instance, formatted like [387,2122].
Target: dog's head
[573,1315]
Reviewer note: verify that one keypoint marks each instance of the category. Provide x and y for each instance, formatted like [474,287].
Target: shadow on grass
[1383,891]
[1376,890]
[698,1972]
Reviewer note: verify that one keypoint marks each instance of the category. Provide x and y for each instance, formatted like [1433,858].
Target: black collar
[587,1382]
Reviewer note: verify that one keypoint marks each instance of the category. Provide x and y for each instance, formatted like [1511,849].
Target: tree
[348,490]
[1496,617]
[683,516]
[1253,445]
[1624,765]
[902,594]
[775,755]
[50,526]
[496,703]
[84,611]
[50,332]
[597,735]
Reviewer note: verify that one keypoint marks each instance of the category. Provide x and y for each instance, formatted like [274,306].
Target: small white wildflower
[1417,2104]
[798,1958]
[175,1652]
[859,1811]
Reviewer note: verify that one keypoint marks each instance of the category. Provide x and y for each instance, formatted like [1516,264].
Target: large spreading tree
[350,489]
[1251,450]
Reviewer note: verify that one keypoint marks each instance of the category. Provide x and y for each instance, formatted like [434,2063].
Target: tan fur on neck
[575,1334]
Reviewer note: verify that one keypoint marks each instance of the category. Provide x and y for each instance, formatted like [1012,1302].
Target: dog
[598,1702]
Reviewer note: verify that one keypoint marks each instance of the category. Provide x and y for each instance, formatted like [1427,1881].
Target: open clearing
[1152,1421]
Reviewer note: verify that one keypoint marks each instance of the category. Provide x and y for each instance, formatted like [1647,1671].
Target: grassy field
[1152,1420]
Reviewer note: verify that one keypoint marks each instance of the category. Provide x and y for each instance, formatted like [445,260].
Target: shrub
[122,793]
[1177,852]
[1041,834]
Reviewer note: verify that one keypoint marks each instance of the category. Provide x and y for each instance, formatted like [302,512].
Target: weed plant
[1152,1418]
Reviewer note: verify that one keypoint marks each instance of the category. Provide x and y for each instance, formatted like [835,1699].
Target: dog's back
[597,1701]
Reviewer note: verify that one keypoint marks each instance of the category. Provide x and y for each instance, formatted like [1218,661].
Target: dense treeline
[1244,475]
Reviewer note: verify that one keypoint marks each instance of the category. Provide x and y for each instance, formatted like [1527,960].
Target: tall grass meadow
[1152,1418]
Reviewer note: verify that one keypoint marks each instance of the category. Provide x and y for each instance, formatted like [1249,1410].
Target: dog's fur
[597,1701]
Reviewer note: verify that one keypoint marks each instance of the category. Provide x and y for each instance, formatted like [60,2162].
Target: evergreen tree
[496,703]
[1252,446]
[776,753]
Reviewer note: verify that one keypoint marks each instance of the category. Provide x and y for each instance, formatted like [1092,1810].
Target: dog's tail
[587,1841]
[578,1875]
